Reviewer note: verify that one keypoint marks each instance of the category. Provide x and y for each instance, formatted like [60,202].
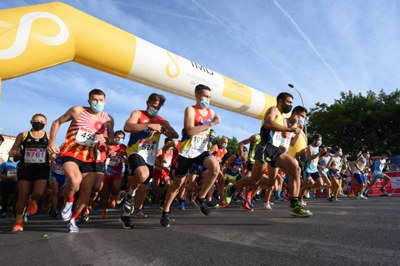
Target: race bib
[277,139]
[199,142]
[113,161]
[147,148]
[12,172]
[314,163]
[86,137]
[57,169]
[286,143]
[35,155]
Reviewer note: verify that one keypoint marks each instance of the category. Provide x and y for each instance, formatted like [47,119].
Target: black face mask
[37,126]
[286,108]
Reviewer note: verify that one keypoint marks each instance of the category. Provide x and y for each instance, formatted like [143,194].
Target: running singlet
[271,136]
[8,169]
[114,163]
[336,162]
[142,142]
[252,149]
[80,140]
[378,166]
[361,165]
[220,153]
[33,150]
[193,146]
[312,165]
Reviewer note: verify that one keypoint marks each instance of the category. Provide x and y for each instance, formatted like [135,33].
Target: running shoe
[299,211]
[66,212]
[212,204]
[139,214]
[228,194]
[182,206]
[32,207]
[104,214]
[336,200]
[53,212]
[385,194]
[223,204]
[128,204]
[18,227]
[165,219]
[112,202]
[341,195]
[247,206]
[72,227]
[361,197]
[267,206]
[202,205]
[126,222]
[84,218]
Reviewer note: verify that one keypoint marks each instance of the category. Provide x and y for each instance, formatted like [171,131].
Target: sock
[294,201]
[19,218]
[70,199]
[277,194]
[75,215]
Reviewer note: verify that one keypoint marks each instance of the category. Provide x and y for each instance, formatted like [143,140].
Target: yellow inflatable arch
[41,36]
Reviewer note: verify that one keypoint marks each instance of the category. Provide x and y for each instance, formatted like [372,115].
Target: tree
[354,121]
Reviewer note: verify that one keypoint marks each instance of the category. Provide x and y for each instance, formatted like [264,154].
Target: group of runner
[90,164]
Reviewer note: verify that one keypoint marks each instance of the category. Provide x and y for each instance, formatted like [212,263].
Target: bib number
[86,137]
[199,142]
[147,148]
[12,172]
[35,155]
[277,139]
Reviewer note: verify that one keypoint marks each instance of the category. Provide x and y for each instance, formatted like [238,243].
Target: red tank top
[80,138]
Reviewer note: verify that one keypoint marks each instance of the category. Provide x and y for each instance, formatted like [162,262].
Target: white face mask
[224,145]
[301,121]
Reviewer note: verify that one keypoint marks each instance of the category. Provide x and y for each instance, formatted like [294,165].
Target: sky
[322,47]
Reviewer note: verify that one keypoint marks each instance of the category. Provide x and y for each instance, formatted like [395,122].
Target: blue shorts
[61,179]
[377,176]
[360,178]
[333,174]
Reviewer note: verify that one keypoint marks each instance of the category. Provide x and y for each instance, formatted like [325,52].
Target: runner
[58,182]
[161,172]
[360,168]
[379,164]
[334,166]
[114,167]
[8,186]
[146,127]
[268,152]
[81,154]
[198,120]
[34,167]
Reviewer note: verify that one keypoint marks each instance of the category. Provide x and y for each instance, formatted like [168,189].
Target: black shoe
[212,204]
[84,218]
[128,204]
[126,222]
[201,203]
[165,219]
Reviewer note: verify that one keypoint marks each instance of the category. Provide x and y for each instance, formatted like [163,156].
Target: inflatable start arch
[41,36]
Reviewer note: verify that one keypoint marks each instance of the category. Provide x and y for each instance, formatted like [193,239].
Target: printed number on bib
[35,155]
[147,148]
[277,139]
[199,142]
[85,137]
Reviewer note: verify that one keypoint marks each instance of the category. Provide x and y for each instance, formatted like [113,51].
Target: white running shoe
[362,197]
[66,212]
[267,206]
[72,227]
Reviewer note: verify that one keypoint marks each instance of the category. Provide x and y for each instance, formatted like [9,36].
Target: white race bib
[277,139]
[12,172]
[35,155]
[314,163]
[147,148]
[199,142]
[57,169]
[86,137]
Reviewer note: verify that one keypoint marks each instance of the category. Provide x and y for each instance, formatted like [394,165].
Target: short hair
[388,153]
[119,132]
[96,92]
[39,114]
[167,139]
[1,138]
[283,95]
[337,148]
[156,97]
[299,109]
[201,87]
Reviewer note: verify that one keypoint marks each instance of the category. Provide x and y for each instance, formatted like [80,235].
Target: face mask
[211,138]
[286,108]
[340,153]
[37,125]
[223,145]
[319,143]
[205,102]
[119,141]
[151,111]
[301,121]
[97,107]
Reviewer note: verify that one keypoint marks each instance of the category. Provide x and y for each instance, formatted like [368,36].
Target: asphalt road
[352,232]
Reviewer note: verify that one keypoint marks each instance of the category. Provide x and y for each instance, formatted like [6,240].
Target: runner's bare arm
[269,121]
[189,126]
[15,149]
[168,130]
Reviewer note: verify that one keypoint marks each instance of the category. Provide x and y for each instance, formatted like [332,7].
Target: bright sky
[321,46]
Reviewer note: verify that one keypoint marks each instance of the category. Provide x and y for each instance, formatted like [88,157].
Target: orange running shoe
[32,207]
[104,214]
[247,206]
[18,227]
[112,202]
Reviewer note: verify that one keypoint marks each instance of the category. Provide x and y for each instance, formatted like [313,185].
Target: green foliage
[354,121]
[232,145]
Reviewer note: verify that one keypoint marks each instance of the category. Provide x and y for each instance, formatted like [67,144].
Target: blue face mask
[97,107]
[211,138]
[119,141]
[151,111]
[205,102]
[319,143]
